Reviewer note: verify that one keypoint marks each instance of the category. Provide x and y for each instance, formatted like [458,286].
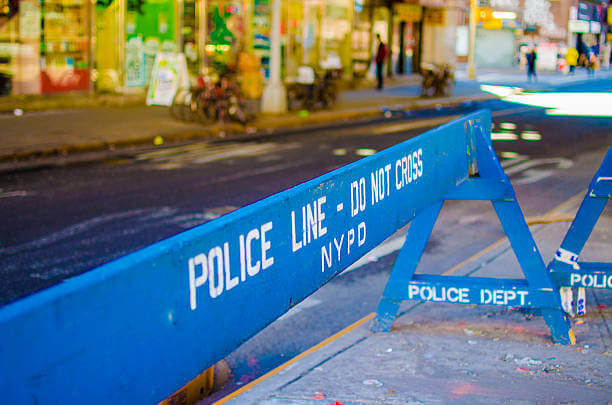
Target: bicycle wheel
[190,106]
[178,105]
[329,96]
[206,109]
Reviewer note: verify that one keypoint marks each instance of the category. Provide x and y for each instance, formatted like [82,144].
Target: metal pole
[202,34]
[274,98]
[122,38]
[471,66]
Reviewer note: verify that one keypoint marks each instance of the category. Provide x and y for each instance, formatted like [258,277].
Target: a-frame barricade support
[565,268]
[487,182]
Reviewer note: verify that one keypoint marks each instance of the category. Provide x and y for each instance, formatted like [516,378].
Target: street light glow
[569,104]
[504,15]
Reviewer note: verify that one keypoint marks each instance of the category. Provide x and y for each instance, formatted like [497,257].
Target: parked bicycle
[313,90]
[436,80]
[207,101]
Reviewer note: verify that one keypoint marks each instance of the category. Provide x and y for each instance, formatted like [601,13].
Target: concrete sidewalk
[40,134]
[452,353]
[37,135]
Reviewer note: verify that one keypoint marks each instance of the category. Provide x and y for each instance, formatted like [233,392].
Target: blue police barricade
[487,182]
[565,268]
[136,329]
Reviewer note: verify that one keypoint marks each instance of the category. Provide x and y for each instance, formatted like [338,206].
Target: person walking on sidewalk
[531,63]
[381,55]
[572,59]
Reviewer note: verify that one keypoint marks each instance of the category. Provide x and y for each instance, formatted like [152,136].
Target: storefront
[65,45]
[54,46]
[407,34]
[585,28]
[361,39]
[496,47]
[45,46]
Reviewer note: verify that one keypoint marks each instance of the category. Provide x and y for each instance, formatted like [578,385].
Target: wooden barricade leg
[405,266]
[537,290]
[565,268]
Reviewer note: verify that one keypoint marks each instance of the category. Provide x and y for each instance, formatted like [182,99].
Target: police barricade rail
[136,329]
[565,268]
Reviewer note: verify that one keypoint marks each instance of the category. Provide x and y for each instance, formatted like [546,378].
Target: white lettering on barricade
[358,196]
[408,169]
[595,280]
[327,252]
[438,294]
[309,224]
[312,224]
[502,297]
[214,267]
[463,295]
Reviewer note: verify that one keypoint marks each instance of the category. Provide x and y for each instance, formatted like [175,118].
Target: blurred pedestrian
[381,56]
[531,64]
[592,63]
[572,59]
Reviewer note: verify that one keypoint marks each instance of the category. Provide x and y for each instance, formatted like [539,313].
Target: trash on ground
[390,392]
[158,140]
[318,395]
[522,369]
[472,342]
[372,382]
[552,369]
[527,361]
[18,112]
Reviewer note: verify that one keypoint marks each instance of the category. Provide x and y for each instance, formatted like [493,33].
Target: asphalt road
[63,221]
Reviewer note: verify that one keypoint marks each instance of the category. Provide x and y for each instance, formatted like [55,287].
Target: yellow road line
[296,358]
[550,214]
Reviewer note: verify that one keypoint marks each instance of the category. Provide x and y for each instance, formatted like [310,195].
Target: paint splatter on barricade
[136,329]
[566,269]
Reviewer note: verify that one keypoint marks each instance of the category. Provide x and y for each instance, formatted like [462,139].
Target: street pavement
[453,353]
[436,353]
[36,135]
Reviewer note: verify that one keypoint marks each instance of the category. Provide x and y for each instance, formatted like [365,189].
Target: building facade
[55,46]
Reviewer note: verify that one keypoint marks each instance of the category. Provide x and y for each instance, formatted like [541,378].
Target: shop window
[8,45]
[190,32]
[226,35]
[64,46]
[150,28]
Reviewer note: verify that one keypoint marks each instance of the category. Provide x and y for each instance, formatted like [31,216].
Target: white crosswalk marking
[202,153]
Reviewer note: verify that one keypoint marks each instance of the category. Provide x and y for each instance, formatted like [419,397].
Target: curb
[69,101]
[264,126]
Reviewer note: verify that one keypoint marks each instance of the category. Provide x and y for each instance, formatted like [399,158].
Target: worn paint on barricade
[136,329]
[467,295]
[566,268]
[589,279]
[472,291]
[487,182]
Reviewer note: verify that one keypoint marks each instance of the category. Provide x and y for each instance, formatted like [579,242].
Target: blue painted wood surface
[487,181]
[138,328]
[565,267]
